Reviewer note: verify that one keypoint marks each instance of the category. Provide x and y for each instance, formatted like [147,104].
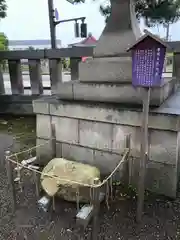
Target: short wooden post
[144,151]
[11,184]
[74,66]
[35,76]
[96,206]
[36,177]
[53,204]
[53,140]
[16,76]
[55,70]
[128,145]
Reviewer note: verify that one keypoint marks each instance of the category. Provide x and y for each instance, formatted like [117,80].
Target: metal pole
[167,31]
[52,24]
[167,38]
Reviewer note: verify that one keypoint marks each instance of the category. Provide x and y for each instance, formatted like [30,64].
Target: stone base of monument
[114,92]
[94,133]
[112,69]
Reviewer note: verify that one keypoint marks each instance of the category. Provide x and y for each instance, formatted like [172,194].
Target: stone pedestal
[95,134]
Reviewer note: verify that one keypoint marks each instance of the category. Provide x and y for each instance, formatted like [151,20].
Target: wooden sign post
[148,55]
[144,152]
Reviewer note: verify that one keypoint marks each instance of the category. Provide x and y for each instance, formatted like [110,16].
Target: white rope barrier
[31,168]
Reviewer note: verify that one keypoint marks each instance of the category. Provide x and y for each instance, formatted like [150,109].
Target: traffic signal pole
[53,23]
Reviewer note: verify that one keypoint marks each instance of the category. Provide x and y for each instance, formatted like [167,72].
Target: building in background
[36,44]
[90,41]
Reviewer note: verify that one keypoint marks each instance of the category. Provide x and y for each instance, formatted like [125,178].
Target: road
[45,80]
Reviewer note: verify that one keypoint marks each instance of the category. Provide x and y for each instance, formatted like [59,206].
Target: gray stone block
[77,153]
[65,90]
[40,106]
[160,178]
[43,126]
[114,69]
[95,135]
[44,151]
[107,113]
[119,93]
[163,144]
[163,147]
[106,161]
[120,133]
[66,129]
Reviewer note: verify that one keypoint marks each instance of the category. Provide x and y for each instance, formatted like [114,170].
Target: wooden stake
[9,170]
[53,204]
[128,145]
[37,184]
[96,206]
[144,151]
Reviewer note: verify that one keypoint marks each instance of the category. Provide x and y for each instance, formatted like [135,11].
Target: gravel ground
[161,219]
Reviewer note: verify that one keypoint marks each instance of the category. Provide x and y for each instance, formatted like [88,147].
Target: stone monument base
[109,92]
[94,133]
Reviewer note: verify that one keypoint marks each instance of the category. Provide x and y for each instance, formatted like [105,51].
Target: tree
[3,46]
[3,38]
[153,11]
[3,42]
[3,8]
[31,48]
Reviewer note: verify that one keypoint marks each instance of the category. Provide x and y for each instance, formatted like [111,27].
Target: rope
[28,150]
[70,181]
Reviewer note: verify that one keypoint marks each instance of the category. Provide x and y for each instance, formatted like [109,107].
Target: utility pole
[52,24]
[167,31]
[167,38]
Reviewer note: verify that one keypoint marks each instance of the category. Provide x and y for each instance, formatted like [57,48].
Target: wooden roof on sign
[148,34]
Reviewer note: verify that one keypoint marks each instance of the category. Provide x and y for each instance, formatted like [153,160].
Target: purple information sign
[147,66]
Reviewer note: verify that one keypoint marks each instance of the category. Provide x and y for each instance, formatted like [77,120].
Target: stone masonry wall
[96,135]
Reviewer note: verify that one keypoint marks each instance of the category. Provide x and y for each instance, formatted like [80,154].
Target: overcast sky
[28,19]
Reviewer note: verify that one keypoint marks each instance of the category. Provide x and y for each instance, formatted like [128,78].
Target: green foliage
[153,11]
[3,42]
[31,48]
[3,8]
[3,47]
[158,11]
[65,63]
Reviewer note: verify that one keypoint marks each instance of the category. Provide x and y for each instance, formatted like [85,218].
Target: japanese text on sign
[148,66]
